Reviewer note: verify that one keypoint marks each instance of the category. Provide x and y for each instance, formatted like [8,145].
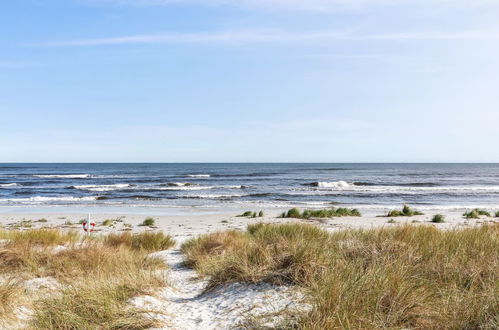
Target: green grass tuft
[476,213]
[405,212]
[108,222]
[148,222]
[438,218]
[324,213]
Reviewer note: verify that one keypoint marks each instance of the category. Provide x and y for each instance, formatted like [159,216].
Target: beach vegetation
[389,278]
[10,291]
[438,218]
[323,213]
[476,213]
[497,214]
[41,237]
[148,222]
[119,267]
[406,211]
[42,220]
[261,214]
[108,222]
[391,221]
[146,241]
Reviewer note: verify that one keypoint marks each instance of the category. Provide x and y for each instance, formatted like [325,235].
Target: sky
[249,81]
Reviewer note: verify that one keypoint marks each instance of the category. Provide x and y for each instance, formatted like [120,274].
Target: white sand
[188,226]
[185,305]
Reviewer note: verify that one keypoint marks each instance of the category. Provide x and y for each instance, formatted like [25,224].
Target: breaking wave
[103,187]
[62,176]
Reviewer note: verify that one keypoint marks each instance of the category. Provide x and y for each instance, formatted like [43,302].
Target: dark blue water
[240,185]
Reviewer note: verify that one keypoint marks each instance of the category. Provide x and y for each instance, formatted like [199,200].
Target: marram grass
[410,277]
[323,213]
[98,277]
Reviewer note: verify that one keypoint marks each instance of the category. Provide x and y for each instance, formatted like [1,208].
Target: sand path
[186,305]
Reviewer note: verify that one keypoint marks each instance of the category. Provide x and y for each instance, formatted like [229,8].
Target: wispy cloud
[307,5]
[271,36]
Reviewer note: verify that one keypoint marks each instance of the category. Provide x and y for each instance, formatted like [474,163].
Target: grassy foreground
[411,277]
[96,277]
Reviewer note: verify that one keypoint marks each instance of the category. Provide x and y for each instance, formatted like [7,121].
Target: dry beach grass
[95,278]
[402,277]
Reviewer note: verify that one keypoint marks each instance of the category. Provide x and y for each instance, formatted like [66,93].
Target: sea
[246,185]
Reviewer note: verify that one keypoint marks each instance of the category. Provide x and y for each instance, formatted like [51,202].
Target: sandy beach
[182,227]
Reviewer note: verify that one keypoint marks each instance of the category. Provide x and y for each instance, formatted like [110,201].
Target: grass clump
[438,218]
[246,214]
[9,294]
[118,272]
[497,214]
[324,213]
[44,237]
[406,211]
[413,277]
[101,305]
[149,222]
[108,222]
[42,220]
[251,214]
[476,213]
[143,241]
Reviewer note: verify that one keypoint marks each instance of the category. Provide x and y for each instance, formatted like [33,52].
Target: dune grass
[148,222]
[438,218]
[323,213]
[10,291]
[148,241]
[44,237]
[251,214]
[98,275]
[398,277]
[476,213]
[406,211]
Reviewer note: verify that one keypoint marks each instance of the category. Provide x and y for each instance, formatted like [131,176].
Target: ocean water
[248,185]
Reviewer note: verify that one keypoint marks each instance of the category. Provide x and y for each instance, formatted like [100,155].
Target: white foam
[188,187]
[334,184]
[40,199]
[181,184]
[7,185]
[213,196]
[198,175]
[63,176]
[104,187]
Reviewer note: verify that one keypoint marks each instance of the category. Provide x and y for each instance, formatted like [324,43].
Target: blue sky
[249,80]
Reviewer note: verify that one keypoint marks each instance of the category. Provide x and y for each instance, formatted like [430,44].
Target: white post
[88,224]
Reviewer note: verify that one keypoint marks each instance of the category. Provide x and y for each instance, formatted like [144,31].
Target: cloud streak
[301,5]
[272,36]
